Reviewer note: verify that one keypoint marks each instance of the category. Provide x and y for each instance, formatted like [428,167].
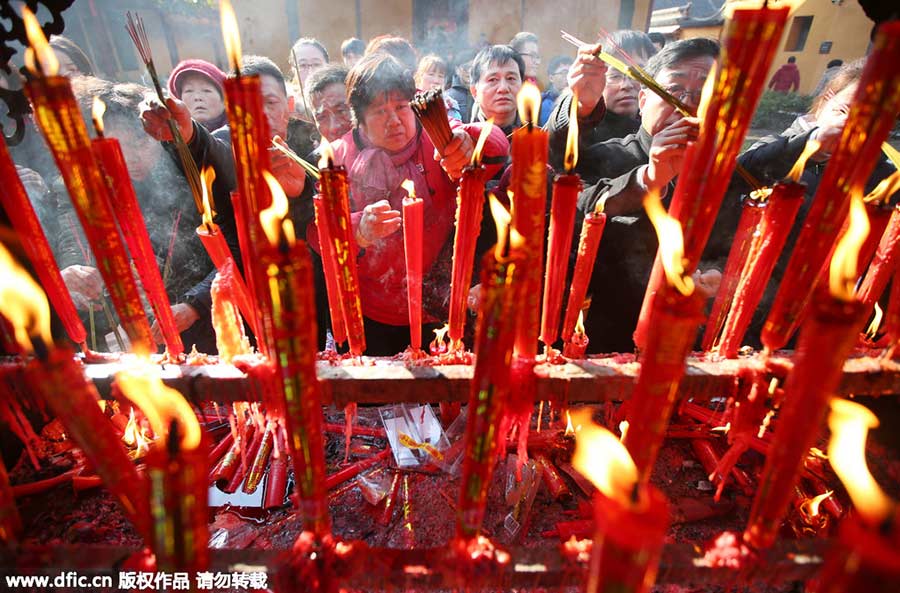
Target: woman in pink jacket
[386,147]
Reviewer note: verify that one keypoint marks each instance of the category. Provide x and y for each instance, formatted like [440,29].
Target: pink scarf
[376,174]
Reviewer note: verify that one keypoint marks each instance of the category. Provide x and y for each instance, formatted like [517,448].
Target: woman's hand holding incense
[457,154]
[155,119]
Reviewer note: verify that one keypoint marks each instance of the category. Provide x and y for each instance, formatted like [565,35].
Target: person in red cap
[199,84]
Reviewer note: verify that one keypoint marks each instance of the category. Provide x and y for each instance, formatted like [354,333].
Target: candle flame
[707,93]
[811,148]
[761,195]
[529,103]
[850,423]
[410,188]
[161,405]
[438,344]
[569,428]
[603,459]
[872,331]
[271,217]
[811,506]
[24,302]
[327,158]
[230,35]
[502,220]
[486,128]
[209,176]
[891,153]
[98,108]
[671,244]
[49,65]
[579,324]
[571,158]
[843,273]
[884,190]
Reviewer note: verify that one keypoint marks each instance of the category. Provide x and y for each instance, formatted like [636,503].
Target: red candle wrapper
[338,327]
[58,116]
[469,207]
[588,243]
[749,43]
[128,214]
[885,263]
[827,339]
[562,219]
[627,544]
[412,246]
[277,480]
[33,240]
[872,114]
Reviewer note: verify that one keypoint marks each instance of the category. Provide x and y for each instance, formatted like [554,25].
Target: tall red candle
[879,218]
[872,114]
[885,263]
[528,185]
[338,327]
[412,247]
[588,243]
[749,43]
[59,118]
[778,218]
[336,208]
[128,214]
[469,206]
[738,257]
[18,207]
[490,387]
[562,220]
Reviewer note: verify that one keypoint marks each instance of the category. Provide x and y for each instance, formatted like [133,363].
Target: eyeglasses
[682,94]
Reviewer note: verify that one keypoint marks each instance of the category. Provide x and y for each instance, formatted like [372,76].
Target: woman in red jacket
[386,147]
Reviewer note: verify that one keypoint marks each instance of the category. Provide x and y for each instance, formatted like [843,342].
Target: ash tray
[416,437]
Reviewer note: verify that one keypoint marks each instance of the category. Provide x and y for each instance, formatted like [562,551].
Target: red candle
[412,246]
[749,44]
[128,214]
[490,387]
[277,480]
[778,218]
[33,240]
[336,208]
[872,114]
[562,220]
[863,560]
[825,342]
[738,258]
[528,185]
[289,271]
[576,346]
[588,243]
[879,218]
[260,461]
[630,521]
[338,327]
[885,263]
[469,206]
[58,116]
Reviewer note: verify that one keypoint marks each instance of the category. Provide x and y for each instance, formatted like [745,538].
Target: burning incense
[135,28]
[307,166]
[431,111]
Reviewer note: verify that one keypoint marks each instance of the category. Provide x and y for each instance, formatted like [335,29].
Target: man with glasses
[526,45]
[620,172]
[557,72]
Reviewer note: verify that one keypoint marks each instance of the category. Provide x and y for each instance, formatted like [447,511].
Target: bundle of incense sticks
[135,28]
[307,166]
[431,112]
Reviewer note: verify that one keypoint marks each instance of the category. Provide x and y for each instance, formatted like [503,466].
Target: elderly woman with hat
[199,85]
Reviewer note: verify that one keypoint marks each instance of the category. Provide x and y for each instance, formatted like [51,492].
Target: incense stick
[135,28]
[431,111]
[302,91]
[308,167]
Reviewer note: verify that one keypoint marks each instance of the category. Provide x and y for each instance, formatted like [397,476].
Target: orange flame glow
[230,34]
[161,405]
[569,428]
[891,153]
[571,158]
[671,244]
[437,344]
[850,423]
[410,188]
[23,302]
[98,108]
[843,271]
[811,506]
[209,176]
[502,219]
[49,65]
[706,94]
[327,158]
[872,331]
[271,218]
[811,148]
[529,103]
[486,128]
[885,189]
[579,324]
[604,460]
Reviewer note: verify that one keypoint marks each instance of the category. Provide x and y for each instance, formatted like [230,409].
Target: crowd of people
[630,142]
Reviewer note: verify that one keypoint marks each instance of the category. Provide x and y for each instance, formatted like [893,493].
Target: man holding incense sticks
[618,173]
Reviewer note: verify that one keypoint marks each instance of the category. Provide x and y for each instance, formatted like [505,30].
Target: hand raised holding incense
[457,154]
[155,119]
[587,78]
[288,172]
[667,151]
[184,315]
[378,221]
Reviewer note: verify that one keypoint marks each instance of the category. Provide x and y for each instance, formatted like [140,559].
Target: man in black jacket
[618,174]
